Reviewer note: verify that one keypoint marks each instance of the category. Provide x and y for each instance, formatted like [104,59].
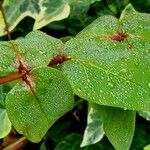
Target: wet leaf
[94,131]
[110,61]
[43,11]
[36,49]
[119,126]
[33,114]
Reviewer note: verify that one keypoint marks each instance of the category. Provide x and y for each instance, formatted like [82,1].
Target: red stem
[12,77]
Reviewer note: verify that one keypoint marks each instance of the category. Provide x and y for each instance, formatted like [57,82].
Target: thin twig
[10,147]
[11,77]
[5,21]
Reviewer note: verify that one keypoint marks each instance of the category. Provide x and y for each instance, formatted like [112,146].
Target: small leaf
[36,49]
[32,114]
[5,124]
[42,11]
[119,126]
[94,131]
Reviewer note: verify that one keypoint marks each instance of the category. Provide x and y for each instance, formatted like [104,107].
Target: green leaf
[43,11]
[36,49]
[108,72]
[5,124]
[119,126]
[32,114]
[94,131]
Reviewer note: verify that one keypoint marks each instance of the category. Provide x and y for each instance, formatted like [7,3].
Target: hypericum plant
[108,63]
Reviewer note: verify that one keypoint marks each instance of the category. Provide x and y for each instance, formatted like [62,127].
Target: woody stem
[12,77]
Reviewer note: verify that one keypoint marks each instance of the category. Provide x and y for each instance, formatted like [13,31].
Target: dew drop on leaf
[110,84]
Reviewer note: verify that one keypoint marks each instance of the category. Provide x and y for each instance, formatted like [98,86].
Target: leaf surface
[107,71]
[36,49]
[32,114]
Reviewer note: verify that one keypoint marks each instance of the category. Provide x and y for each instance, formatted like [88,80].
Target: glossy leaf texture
[110,61]
[36,49]
[119,126]
[43,11]
[33,113]
[94,130]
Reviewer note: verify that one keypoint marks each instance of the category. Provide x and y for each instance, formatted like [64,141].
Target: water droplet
[101,91]
[125,108]
[126,91]
[79,90]
[148,119]
[110,84]
[149,85]
[102,77]
[88,80]
[41,52]
[124,70]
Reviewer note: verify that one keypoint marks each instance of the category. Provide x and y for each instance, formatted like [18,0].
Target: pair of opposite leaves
[101,70]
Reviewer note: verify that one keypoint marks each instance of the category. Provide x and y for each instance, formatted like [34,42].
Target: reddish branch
[11,77]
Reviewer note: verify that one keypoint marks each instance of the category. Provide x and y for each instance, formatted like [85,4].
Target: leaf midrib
[109,72]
